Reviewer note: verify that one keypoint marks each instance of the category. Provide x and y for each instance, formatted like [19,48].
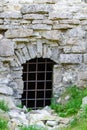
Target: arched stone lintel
[31,51]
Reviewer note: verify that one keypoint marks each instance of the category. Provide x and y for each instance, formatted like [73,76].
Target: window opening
[37,78]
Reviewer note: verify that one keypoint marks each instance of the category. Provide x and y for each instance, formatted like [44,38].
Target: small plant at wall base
[3,124]
[4,106]
[71,106]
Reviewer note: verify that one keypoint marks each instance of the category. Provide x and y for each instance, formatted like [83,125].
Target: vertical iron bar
[27,86]
[36,84]
[45,81]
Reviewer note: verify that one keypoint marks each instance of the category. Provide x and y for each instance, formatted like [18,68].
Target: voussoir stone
[36,8]
[6,47]
[19,33]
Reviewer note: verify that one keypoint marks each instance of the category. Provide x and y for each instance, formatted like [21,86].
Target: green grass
[3,124]
[4,106]
[32,127]
[80,124]
[72,106]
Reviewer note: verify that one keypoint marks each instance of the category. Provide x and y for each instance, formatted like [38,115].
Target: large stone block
[44,21]
[36,8]
[11,14]
[33,16]
[60,15]
[85,58]
[70,58]
[20,32]
[6,90]
[45,1]
[41,27]
[6,47]
[53,35]
[75,49]
[82,75]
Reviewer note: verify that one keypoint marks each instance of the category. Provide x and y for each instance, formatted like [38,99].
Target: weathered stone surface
[85,58]
[60,15]
[36,8]
[31,51]
[70,58]
[33,16]
[25,1]
[10,14]
[62,26]
[41,27]
[6,90]
[21,32]
[1,8]
[6,47]
[82,75]
[1,21]
[45,1]
[26,53]
[49,22]
[53,35]
[75,49]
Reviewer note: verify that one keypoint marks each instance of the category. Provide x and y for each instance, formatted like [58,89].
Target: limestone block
[19,56]
[75,49]
[52,35]
[41,27]
[31,51]
[1,21]
[39,49]
[60,15]
[1,8]
[25,1]
[17,62]
[47,52]
[36,8]
[20,84]
[11,14]
[5,27]
[20,32]
[70,58]
[82,75]
[45,1]
[55,54]
[6,47]
[5,90]
[1,36]
[44,21]
[70,21]
[62,26]
[25,52]
[85,58]
[57,75]
[76,32]
[80,16]
[33,16]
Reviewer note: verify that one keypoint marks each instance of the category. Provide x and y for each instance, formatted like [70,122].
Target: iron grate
[37,77]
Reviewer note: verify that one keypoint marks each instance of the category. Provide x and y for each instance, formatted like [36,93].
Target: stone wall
[54,29]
